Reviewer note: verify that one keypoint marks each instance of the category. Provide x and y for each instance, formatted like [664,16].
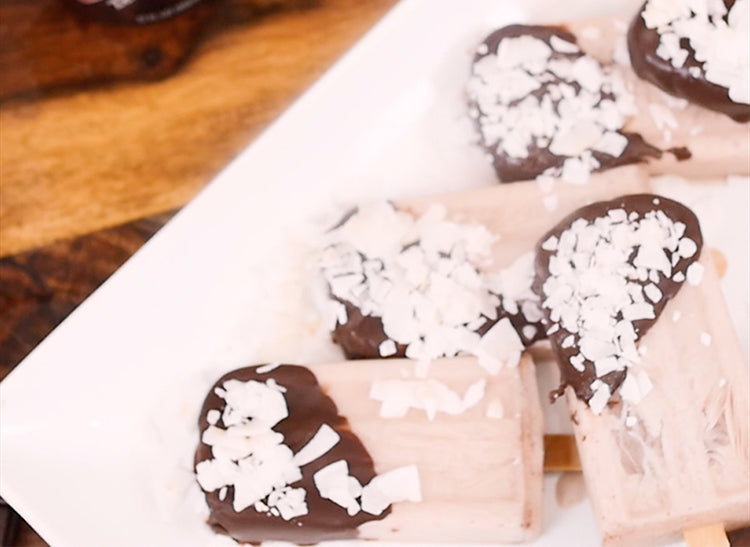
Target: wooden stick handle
[560,453]
[712,535]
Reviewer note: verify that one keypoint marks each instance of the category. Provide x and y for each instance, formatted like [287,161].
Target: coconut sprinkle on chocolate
[716,36]
[423,280]
[604,275]
[537,98]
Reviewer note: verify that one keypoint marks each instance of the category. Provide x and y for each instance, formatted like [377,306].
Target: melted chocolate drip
[677,81]
[580,381]
[681,153]
[309,408]
[510,169]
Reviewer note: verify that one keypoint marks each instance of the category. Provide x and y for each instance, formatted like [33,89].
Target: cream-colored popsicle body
[481,477]
[685,462]
[504,210]
[516,213]
[718,145]
[494,465]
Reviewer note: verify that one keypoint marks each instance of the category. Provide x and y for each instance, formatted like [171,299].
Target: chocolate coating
[681,153]
[642,45]
[580,381]
[309,408]
[360,337]
[519,321]
[510,169]
[739,538]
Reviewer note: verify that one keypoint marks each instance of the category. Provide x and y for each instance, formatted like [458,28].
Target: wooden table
[91,167]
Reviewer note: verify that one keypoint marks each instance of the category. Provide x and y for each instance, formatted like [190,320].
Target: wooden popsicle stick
[560,453]
[712,535]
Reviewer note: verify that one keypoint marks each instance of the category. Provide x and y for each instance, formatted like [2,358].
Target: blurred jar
[57,45]
[131,12]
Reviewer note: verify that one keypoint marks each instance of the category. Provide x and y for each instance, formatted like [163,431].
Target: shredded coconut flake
[695,273]
[550,244]
[524,100]
[397,485]
[334,483]
[600,397]
[563,46]
[398,396]
[711,32]
[387,348]
[323,440]
[212,416]
[248,455]
[495,409]
[550,203]
[422,277]
[603,277]
[499,347]
[265,369]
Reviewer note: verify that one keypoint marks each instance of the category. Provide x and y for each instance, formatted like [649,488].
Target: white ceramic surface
[97,425]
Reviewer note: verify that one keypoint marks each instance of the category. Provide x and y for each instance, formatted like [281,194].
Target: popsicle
[681,47]
[368,449]
[718,144]
[449,274]
[652,371]
[564,102]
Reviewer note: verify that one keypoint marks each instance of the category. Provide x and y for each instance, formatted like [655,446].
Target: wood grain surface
[83,160]
[39,288]
[46,46]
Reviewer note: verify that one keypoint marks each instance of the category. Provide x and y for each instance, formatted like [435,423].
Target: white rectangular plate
[99,422]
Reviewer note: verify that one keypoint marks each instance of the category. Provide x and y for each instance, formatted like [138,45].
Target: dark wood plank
[38,289]
[27,537]
[46,47]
